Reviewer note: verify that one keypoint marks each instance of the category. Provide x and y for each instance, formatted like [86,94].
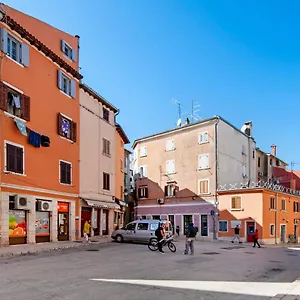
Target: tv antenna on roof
[176,102]
[194,115]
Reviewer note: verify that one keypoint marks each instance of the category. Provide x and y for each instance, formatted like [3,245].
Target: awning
[22,126]
[101,204]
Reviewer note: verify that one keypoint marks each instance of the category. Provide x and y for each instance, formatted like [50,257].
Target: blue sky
[237,59]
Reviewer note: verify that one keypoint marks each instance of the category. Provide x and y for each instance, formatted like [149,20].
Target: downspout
[216,215]
[116,114]
[78,50]
[276,217]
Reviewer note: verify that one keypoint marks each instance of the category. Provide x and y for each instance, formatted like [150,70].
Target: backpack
[157,231]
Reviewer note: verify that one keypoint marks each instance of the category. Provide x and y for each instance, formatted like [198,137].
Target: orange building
[121,141]
[273,210]
[39,116]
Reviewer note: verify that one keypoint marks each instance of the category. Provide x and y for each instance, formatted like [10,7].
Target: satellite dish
[179,122]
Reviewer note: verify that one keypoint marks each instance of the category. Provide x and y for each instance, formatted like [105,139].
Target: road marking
[294,248]
[267,289]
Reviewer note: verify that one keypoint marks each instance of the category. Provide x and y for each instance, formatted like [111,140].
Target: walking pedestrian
[236,234]
[177,230]
[87,230]
[255,239]
[190,238]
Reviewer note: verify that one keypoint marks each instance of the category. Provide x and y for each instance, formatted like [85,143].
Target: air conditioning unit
[44,205]
[21,202]
[160,201]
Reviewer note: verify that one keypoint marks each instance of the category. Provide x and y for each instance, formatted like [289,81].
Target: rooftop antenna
[176,102]
[194,115]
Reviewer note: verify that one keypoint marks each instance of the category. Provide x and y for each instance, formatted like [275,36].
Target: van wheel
[119,239]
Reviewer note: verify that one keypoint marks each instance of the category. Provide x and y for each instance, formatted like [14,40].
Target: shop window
[65,172]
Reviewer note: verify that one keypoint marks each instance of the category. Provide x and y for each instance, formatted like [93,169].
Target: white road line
[267,289]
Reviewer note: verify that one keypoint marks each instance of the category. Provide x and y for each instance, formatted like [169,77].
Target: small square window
[143,151]
[106,114]
[65,172]
[203,137]
[223,226]
[236,203]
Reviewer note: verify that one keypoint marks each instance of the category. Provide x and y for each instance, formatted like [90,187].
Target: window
[14,48]
[243,150]
[244,171]
[67,128]
[14,102]
[156,217]
[236,203]
[153,226]
[143,151]
[130,226]
[122,191]
[143,192]
[115,217]
[66,84]
[106,181]
[14,158]
[272,230]
[203,186]
[203,137]
[203,161]
[106,114]
[272,203]
[253,154]
[170,190]
[68,51]
[121,165]
[278,164]
[296,206]
[258,162]
[283,204]
[143,171]
[170,145]
[142,226]
[170,166]
[271,162]
[223,226]
[65,172]
[106,147]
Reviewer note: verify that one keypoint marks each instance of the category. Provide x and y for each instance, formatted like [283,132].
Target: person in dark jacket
[190,238]
[236,234]
[255,239]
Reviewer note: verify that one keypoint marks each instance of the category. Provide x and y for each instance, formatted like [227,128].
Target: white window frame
[271,230]
[70,56]
[143,151]
[208,157]
[5,157]
[170,190]
[18,48]
[143,191]
[144,167]
[170,171]
[67,162]
[226,225]
[69,88]
[202,139]
[170,145]
[236,209]
[208,186]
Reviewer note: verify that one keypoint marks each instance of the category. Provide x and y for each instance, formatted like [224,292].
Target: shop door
[172,220]
[250,231]
[187,219]
[204,225]
[105,222]
[63,221]
[86,215]
[282,233]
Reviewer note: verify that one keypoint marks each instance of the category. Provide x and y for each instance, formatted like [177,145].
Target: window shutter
[63,43]
[25,105]
[3,96]
[68,173]
[59,124]
[146,192]
[173,166]
[59,79]
[167,167]
[25,55]
[19,160]
[73,89]
[139,193]
[108,147]
[166,191]
[74,54]
[62,172]
[175,190]
[4,40]
[74,132]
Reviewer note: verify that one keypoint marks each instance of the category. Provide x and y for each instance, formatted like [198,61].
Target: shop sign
[63,207]
[42,224]
[17,223]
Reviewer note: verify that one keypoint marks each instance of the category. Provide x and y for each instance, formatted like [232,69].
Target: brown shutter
[63,172]
[108,147]
[139,193]
[25,107]
[68,173]
[166,190]
[3,96]
[146,192]
[59,124]
[74,132]
[19,160]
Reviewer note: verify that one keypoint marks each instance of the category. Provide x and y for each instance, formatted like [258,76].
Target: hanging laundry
[17,102]
[34,139]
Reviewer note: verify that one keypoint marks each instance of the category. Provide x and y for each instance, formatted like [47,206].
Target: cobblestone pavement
[131,272]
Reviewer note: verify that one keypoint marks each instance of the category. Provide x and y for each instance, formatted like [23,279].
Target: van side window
[142,226]
[153,226]
[130,226]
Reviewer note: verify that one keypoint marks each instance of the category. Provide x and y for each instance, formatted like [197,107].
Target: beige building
[97,161]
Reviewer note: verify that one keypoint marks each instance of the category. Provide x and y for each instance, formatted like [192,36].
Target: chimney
[293,184]
[274,148]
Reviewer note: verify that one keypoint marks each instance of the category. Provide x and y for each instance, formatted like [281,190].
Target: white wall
[231,159]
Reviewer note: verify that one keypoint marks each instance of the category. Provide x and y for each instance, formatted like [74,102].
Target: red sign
[63,207]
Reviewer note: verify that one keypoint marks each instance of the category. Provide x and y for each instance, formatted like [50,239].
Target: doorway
[250,227]
[86,215]
[204,225]
[187,219]
[283,233]
[105,222]
[172,220]
[63,221]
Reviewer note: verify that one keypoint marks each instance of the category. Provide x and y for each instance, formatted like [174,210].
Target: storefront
[63,216]
[42,222]
[17,224]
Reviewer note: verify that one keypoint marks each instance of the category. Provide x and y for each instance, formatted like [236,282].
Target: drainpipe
[78,50]
[116,114]
[216,215]
[276,217]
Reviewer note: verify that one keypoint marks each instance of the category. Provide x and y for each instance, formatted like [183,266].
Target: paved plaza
[113,271]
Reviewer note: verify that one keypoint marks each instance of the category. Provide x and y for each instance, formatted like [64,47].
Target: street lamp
[2,14]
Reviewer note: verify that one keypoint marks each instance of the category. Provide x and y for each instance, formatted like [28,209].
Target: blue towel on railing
[34,139]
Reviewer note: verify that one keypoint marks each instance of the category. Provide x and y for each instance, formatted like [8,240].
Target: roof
[270,154]
[190,126]
[127,151]
[98,97]
[40,46]
[122,134]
